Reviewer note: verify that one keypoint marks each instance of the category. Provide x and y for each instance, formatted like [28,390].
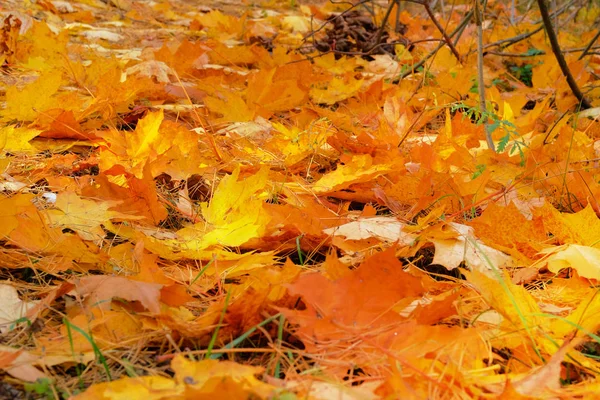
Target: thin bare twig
[457,32]
[541,52]
[383,24]
[516,39]
[522,55]
[481,83]
[313,32]
[589,46]
[559,56]
[442,30]
[428,9]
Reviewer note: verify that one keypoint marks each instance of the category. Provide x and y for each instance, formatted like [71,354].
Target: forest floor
[285,199]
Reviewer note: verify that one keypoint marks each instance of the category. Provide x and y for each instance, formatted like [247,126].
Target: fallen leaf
[584,259]
[13,308]
[100,290]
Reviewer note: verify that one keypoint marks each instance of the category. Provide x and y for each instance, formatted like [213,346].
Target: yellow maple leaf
[584,318]
[584,259]
[207,376]
[193,379]
[512,301]
[17,139]
[234,215]
[338,89]
[231,106]
[359,169]
[25,104]
[142,387]
[344,65]
[233,195]
[268,93]
[10,208]
[84,216]
[140,144]
[297,144]
[581,228]
[222,26]
[147,144]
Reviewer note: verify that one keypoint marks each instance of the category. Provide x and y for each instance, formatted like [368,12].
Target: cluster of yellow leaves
[162,164]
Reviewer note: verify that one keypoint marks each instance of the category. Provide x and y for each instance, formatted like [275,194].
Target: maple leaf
[235,213]
[581,228]
[11,208]
[454,243]
[101,289]
[137,196]
[362,299]
[512,301]
[271,94]
[137,149]
[17,139]
[297,144]
[27,229]
[8,39]
[212,376]
[146,132]
[546,378]
[451,252]
[584,259]
[382,228]
[231,106]
[25,104]
[338,89]
[84,216]
[13,308]
[359,169]
[143,387]
[19,364]
[221,25]
[109,329]
[193,379]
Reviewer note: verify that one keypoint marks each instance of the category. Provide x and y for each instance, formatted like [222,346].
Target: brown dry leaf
[98,291]
[19,364]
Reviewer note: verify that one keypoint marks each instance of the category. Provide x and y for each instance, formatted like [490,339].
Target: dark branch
[559,56]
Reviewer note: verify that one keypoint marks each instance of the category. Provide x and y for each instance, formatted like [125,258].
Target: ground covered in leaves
[280,199]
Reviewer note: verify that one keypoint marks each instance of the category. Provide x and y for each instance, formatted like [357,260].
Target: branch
[516,39]
[480,82]
[559,56]
[382,27]
[458,31]
[589,46]
[441,29]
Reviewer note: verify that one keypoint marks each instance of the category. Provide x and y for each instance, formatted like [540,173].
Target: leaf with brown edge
[99,291]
